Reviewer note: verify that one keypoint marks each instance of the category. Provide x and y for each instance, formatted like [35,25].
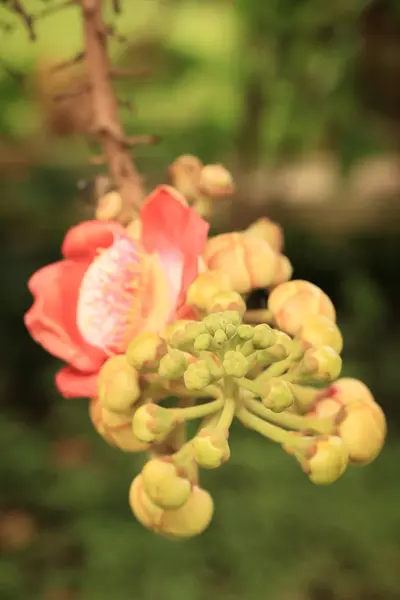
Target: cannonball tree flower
[109,286]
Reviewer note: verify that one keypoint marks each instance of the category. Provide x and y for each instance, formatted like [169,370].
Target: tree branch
[17,7]
[106,124]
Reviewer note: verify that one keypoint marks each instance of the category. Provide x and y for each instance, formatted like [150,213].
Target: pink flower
[109,286]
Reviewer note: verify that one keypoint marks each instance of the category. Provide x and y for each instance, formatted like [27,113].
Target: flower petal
[84,241]
[109,306]
[74,384]
[51,319]
[176,233]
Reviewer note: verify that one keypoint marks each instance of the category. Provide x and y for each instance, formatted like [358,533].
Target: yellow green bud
[173,364]
[227,321]
[175,328]
[214,365]
[318,331]
[152,423]
[211,448]
[203,342]
[235,364]
[323,364]
[145,351]
[189,520]
[277,394]
[118,384]
[220,338]
[197,376]
[263,336]
[164,485]
[184,336]
[245,332]
[223,301]
[327,461]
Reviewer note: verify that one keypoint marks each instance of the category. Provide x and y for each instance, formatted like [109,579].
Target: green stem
[227,414]
[289,420]
[304,396]
[274,433]
[199,411]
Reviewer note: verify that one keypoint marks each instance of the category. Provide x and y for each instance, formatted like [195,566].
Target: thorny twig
[106,124]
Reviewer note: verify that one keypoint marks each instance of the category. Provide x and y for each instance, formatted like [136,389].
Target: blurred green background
[300,98]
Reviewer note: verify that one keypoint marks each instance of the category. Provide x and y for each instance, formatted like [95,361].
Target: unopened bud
[214,364]
[216,181]
[189,520]
[211,448]
[145,351]
[205,286]
[327,461]
[291,303]
[152,423]
[227,321]
[175,329]
[220,338]
[203,342]
[283,272]
[164,485]
[197,376]
[363,431]
[277,395]
[118,384]
[323,364]
[226,301]
[268,231]
[245,332]
[318,331]
[263,336]
[235,364]
[173,364]
[115,428]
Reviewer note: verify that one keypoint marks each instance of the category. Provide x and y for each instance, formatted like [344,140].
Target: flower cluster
[155,312]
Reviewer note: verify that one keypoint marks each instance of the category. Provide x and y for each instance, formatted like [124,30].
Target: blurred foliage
[250,82]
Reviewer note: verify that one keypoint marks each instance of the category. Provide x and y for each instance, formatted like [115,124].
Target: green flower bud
[145,351]
[220,338]
[263,336]
[214,365]
[235,364]
[283,339]
[184,337]
[164,485]
[225,320]
[277,395]
[203,342]
[230,330]
[327,461]
[323,363]
[245,332]
[152,423]
[197,376]
[118,384]
[211,448]
[173,365]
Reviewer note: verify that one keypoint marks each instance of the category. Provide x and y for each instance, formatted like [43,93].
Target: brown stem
[106,124]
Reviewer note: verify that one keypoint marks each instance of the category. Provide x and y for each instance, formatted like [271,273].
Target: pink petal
[177,234]
[50,320]
[109,289]
[84,241]
[73,384]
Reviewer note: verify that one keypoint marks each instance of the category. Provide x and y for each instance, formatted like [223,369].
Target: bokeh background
[301,99]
